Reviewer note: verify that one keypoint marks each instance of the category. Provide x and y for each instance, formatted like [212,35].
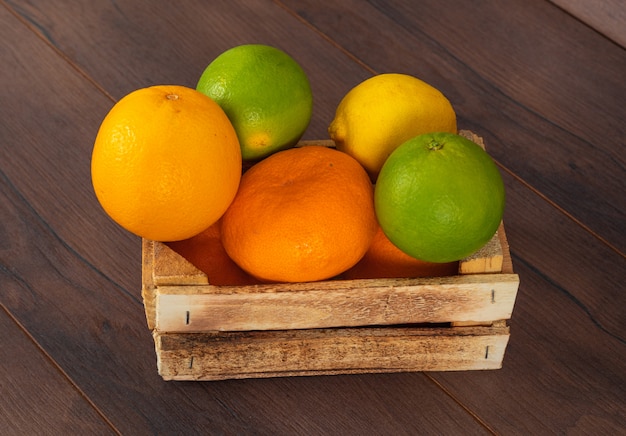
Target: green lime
[439,197]
[265,94]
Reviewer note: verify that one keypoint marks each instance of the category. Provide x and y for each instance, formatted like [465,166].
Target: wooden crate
[206,332]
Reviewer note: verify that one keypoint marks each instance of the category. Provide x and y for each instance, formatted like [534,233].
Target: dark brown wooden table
[542,82]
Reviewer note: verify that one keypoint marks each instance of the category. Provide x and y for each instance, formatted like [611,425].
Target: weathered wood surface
[542,85]
[476,298]
[218,355]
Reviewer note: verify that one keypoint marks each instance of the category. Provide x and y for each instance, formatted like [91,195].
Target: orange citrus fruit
[206,252]
[439,197]
[382,112]
[302,214]
[264,92]
[166,162]
[385,260]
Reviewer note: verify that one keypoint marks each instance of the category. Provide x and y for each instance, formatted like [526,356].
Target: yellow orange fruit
[302,214]
[166,162]
[385,260]
[206,252]
[384,111]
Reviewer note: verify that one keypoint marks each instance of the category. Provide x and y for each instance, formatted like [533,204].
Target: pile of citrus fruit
[401,194]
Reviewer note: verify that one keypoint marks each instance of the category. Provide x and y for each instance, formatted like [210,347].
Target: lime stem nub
[435,145]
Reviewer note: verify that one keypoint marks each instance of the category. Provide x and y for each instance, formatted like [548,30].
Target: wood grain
[556,352]
[543,86]
[608,17]
[71,277]
[567,331]
[523,90]
[218,356]
[36,395]
[478,298]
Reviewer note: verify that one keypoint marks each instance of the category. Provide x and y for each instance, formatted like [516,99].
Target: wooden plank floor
[541,81]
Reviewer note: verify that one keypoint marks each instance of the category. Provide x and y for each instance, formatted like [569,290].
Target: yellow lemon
[384,111]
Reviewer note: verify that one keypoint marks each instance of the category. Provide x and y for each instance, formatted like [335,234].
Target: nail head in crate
[207,332]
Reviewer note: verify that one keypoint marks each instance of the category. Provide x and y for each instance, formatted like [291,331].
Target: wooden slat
[215,356]
[479,298]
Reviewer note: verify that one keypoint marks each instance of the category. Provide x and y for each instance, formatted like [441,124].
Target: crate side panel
[170,268]
[328,351]
[488,259]
[148,292]
[507,262]
[473,298]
